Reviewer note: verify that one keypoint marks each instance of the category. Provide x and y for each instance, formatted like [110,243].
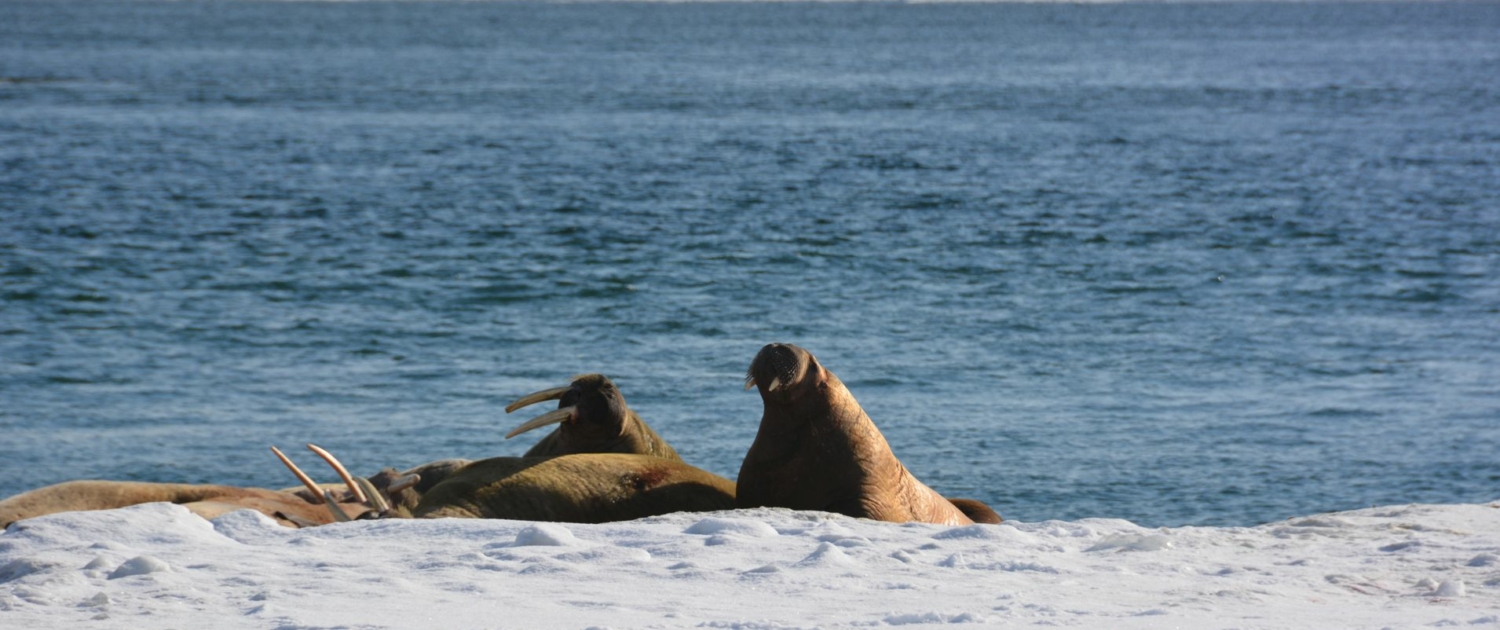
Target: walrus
[592,418]
[817,450]
[575,488]
[289,507]
[578,488]
[304,506]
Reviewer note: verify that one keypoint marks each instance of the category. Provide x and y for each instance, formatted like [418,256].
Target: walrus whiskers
[552,417]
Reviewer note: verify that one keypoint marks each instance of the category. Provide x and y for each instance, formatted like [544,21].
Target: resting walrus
[580,488]
[594,419]
[295,507]
[289,507]
[817,450]
[577,488]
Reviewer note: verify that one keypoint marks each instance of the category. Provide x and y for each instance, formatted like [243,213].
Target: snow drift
[157,566]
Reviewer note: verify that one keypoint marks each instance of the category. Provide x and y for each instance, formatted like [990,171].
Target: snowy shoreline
[157,566]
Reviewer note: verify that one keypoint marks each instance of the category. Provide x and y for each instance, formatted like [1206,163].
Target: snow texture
[157,566]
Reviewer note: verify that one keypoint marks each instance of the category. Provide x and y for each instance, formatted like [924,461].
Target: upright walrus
[593,418]
[817,450]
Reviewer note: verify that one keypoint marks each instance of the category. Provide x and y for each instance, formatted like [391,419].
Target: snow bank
[157,566]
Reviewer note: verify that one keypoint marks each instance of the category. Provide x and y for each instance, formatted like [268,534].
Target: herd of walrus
[816,449]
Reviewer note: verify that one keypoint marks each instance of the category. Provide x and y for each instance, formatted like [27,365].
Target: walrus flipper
[977,511]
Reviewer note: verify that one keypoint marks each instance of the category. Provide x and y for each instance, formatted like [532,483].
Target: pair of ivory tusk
[354,489]
[750,382]
[361,488]
[552,417]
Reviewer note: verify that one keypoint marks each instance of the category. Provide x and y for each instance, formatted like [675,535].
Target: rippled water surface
[1172,263]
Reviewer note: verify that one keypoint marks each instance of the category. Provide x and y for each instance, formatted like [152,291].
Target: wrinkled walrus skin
[288,507]
[581,488]
[817,450]
[601,423]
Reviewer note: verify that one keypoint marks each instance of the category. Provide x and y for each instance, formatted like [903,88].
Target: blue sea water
[1180,264]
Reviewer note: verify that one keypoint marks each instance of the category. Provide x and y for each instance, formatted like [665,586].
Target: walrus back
[581,488]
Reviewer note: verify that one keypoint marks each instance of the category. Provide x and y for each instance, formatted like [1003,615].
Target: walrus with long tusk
[289,507]
[312,504]
[592,418]
[817,450]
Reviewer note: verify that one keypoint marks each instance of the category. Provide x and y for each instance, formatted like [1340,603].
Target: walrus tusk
[536,397]
[301,476]
[333,507]
[359,495]
[551,417]
[378,505]
[403,483]
[775,383]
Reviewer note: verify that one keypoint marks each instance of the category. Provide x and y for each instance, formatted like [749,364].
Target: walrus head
[593,418]
[784,373]
[590,404]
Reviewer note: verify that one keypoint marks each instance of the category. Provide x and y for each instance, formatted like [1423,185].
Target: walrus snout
[598,401]
[777,367]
